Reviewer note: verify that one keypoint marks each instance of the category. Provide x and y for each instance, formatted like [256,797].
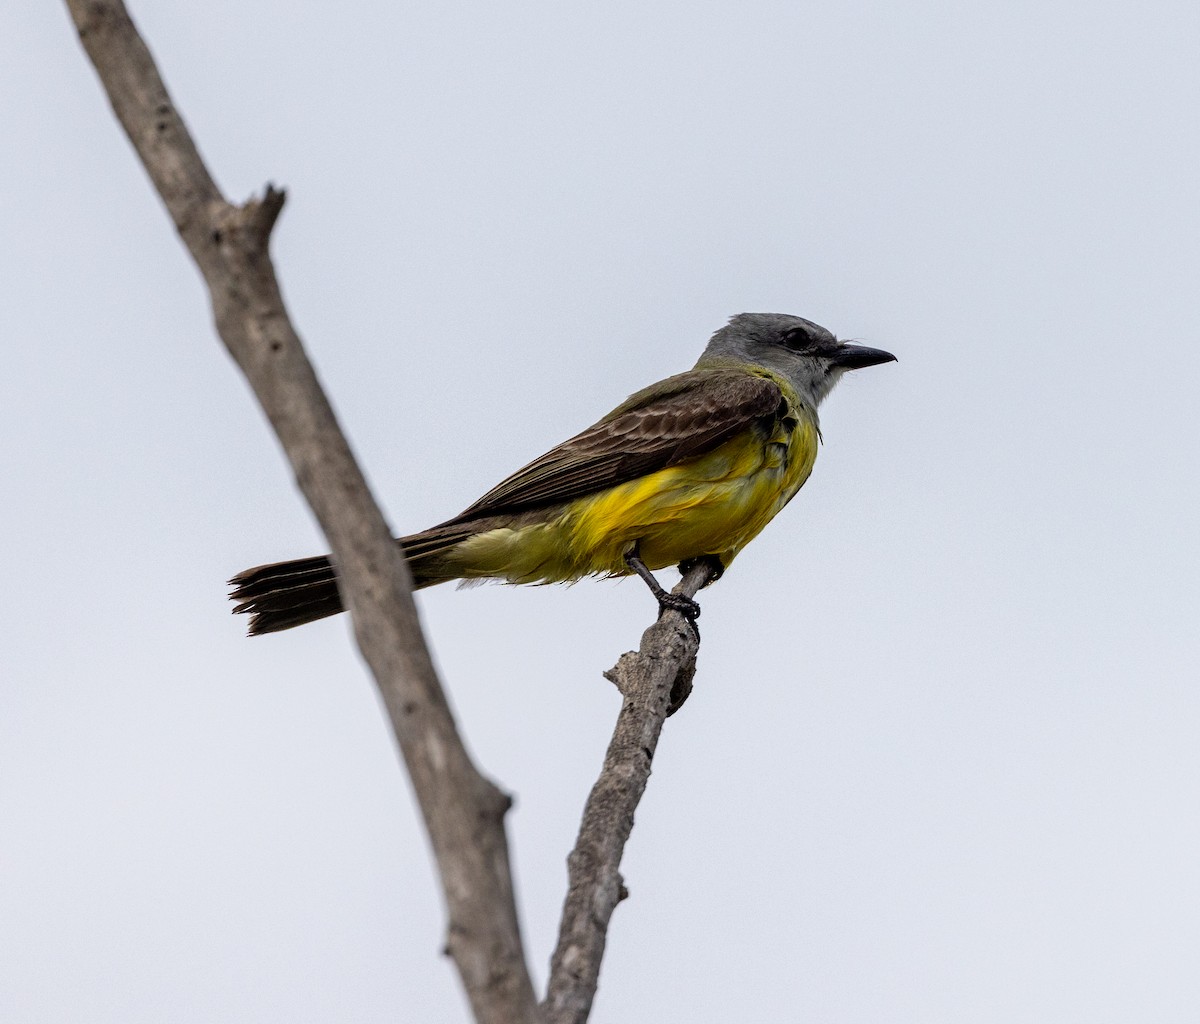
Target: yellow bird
[690,468]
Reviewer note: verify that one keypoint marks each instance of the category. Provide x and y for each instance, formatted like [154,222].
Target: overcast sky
[942,760]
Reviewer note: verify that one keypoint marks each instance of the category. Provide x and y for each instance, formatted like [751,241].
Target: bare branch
[463,811]
[653,682]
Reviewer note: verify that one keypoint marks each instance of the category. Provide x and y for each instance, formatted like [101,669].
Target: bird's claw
[686,607]
[716,568]
[666,600]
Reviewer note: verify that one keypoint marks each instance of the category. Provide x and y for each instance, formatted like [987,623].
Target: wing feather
[678,419]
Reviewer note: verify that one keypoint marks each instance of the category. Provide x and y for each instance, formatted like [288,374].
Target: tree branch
[463,811]
[653,683]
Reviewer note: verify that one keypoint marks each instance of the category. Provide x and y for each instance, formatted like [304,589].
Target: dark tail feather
[287,594]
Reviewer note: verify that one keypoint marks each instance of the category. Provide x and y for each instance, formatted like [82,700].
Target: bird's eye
[798,339]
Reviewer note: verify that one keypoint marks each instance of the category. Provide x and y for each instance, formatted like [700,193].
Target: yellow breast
[713,505]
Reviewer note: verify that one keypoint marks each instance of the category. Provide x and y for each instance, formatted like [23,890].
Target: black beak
[855,357]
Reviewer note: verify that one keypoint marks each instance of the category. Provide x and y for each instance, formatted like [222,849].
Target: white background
[941,764]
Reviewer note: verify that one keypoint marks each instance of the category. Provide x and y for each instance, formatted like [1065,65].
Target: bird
[687,470]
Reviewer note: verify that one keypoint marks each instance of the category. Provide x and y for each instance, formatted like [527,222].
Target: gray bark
[653,682]
[462,809]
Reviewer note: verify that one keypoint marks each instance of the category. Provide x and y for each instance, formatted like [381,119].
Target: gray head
[805,353]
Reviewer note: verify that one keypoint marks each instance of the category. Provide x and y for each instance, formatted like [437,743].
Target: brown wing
[677,419]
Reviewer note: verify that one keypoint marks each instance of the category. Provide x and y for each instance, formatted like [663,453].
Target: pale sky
[942,762]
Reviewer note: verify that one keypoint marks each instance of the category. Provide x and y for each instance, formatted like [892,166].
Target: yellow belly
[713,505]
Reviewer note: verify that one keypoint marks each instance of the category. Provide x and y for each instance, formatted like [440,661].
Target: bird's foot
[686,607]
[716,568]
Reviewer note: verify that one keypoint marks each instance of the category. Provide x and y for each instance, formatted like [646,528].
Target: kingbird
[688,469]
